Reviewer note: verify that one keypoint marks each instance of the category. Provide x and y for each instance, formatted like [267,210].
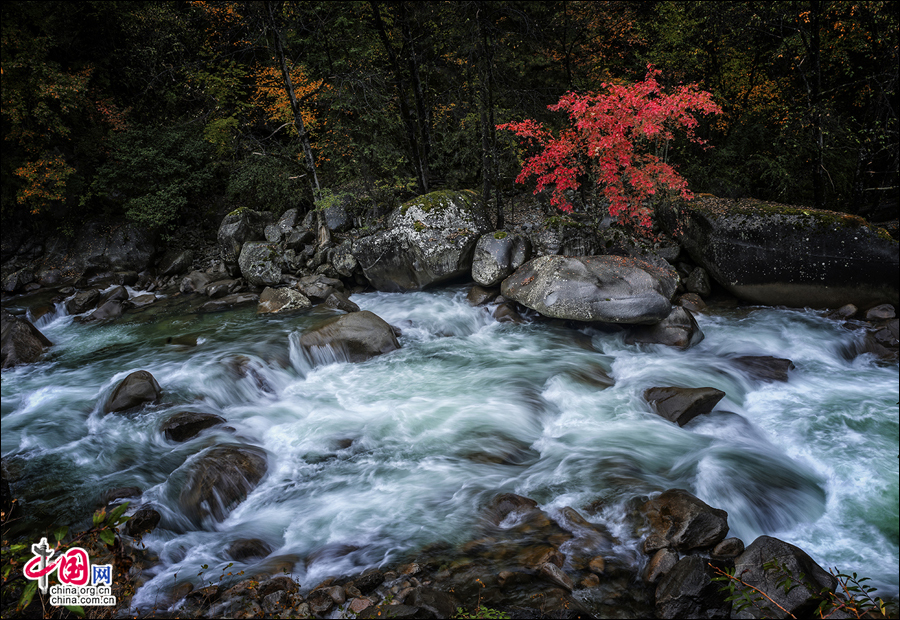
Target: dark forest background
[163,111]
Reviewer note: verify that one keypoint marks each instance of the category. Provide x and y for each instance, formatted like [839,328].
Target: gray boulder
[774,254]
[609,289]
[220,480]
[428,240]
[679,330]
[681,405]
[800,601]
[273,300]
[22,343]
[135,390]
[353,337]
[497,255]
[684,521]
[260,263]
[237,228]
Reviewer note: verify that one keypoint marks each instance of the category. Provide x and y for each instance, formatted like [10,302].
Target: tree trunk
[295,106]
[405,114]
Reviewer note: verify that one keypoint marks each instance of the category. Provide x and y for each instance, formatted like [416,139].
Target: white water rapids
[369,462]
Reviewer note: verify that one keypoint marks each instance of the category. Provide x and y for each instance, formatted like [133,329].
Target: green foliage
[13,557]
[852,599]
[481,612]
[268,183]
[154,173]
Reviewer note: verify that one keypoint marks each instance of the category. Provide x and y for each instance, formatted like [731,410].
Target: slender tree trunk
[405,114]
[486,114]
[295,106]
[422,116]
[323,236]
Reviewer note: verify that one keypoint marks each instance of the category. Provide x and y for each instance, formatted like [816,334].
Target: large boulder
[497,255]
[756,567]
[238,227]
[135,390]
[609,289]
[684,521]
[22,343]
[260,263]
[429,239]
[353,337]
[220,480]
[774,254]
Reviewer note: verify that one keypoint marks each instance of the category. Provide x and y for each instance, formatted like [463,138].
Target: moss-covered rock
[784,255]
[429,239]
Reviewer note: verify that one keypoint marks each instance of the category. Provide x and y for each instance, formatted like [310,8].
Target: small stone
[555,575]
[728,548]
[661,563]
[880,313]
[597,565]
[591,581]
[359,604]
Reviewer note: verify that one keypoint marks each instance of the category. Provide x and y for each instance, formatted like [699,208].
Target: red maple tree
[616,137]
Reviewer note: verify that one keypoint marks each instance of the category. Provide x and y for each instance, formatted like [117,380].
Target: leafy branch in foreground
[15,556]
[853,598]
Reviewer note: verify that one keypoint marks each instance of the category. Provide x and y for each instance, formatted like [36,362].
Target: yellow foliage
[269,94]
[45,182]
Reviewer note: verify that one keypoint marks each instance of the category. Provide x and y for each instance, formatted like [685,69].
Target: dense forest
[157,111]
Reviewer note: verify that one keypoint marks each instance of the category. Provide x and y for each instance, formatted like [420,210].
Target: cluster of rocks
[571,271]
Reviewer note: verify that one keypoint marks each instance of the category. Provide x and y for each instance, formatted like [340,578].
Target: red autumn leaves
[617,138]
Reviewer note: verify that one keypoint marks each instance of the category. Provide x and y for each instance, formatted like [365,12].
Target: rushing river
[369,462]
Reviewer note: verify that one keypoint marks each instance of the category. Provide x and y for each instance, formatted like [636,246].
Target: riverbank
[395,465]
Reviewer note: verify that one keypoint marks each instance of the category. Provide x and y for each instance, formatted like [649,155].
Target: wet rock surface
[22,342]
[608,289]
[220,479]
[135,390]
[681,405]
[354,337]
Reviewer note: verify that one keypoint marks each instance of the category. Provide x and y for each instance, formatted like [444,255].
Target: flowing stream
[370,462]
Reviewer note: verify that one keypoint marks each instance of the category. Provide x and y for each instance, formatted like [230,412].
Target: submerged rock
[681,405]
[220,480]
[188,424]
[609,289]
[353,337]
[679,330]
[765,367]
[135,390]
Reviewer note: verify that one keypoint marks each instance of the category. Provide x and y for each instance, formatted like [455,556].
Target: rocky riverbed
[525,556]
